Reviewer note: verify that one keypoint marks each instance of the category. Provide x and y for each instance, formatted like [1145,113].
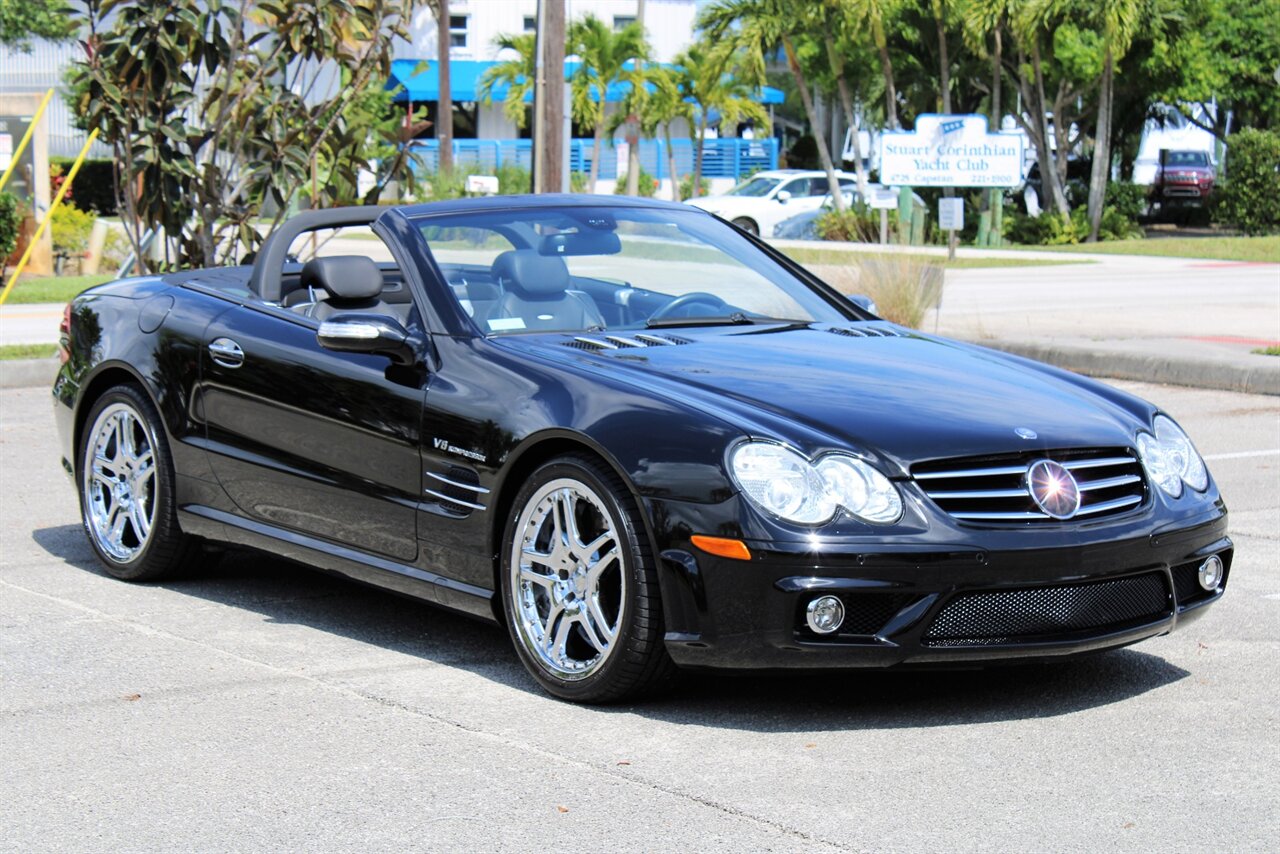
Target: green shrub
[859,224]
[512,179]
[1250,197]
[1129,200]
[578,182]
[10,224]
[1047,229]
[70,230]
[94,187]
[686,187]
[646,186]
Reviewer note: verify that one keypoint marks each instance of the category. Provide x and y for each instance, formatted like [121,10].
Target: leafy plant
[10,224]
[452,184]
[686,187]
[70,230]
[858,224]
[233,106]
[1047,229]
[904,287]
[608,56]
[1250,197]
[648,185]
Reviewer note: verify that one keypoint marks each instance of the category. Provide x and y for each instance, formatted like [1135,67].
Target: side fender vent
[457,492]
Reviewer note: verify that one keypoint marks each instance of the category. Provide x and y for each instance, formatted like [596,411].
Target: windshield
[610,269]
[755,187]
[1186,158]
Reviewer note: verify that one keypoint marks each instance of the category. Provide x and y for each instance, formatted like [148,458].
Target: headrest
[530,274]
[344,277]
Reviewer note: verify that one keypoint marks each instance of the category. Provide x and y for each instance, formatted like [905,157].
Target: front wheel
[127,490]
[579,586]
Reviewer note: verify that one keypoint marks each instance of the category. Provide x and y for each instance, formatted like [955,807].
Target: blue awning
[464,81]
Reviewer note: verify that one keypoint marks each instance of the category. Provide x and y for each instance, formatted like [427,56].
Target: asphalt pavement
[258,705]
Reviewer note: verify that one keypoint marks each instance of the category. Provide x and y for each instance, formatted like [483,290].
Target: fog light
[825,614]
[1210,573]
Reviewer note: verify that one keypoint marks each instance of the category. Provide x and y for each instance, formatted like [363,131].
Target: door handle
[226,352]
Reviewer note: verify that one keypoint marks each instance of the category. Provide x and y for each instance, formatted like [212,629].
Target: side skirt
[220,526]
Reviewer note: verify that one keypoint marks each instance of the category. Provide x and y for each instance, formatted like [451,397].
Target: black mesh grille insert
[864,614]
[1186,584]
[978,619]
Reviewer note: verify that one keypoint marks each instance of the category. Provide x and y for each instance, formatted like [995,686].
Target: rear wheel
[747,225]
[126,489]
[579,586]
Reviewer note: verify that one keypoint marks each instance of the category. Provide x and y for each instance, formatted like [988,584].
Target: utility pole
[633,126]
[551,111]
[539,94]
[444,102]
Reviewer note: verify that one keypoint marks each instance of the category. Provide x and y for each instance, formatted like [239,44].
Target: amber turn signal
[722,547]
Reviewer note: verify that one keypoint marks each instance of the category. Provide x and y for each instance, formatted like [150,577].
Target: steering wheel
[692,298]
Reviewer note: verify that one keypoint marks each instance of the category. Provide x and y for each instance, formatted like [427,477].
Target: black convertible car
[638,438]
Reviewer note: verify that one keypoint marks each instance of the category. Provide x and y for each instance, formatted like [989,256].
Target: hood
[903,395]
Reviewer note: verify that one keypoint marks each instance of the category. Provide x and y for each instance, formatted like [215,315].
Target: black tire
[163,549]
[636,663]
[748,225]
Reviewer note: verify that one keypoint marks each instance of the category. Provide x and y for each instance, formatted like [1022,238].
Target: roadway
[257,705]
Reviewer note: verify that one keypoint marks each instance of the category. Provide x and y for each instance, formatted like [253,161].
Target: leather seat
[350,283]
[537,292]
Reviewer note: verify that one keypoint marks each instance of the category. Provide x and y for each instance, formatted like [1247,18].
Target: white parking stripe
[1239,455]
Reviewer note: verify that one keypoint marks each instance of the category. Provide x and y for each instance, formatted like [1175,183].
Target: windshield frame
[759,253]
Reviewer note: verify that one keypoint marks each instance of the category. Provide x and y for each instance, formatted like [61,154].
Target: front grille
[994,489]
[1049,613]
[865,614]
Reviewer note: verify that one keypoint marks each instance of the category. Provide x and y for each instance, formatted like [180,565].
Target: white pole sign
[951,214]
[950,151]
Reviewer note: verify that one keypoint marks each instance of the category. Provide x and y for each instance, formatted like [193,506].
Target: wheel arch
[523,461]
[106,377]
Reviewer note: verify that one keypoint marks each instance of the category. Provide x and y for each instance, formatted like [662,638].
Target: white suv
[765,199]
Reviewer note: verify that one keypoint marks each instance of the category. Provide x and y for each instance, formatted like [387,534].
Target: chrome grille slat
[978,493]
[1108,483]
[1072,465]
[1106,506]
[994,489]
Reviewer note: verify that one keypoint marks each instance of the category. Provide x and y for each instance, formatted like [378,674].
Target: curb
[1220,375]
[28,373]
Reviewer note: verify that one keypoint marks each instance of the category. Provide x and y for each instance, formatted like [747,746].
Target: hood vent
[622,342]
[866,332]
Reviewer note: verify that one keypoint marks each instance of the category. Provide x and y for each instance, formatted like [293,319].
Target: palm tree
[665,104]
[604,56]
[873,14]
[711,78]
[757,27]
[517,75]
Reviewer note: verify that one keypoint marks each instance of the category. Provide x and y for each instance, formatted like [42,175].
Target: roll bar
[264,279]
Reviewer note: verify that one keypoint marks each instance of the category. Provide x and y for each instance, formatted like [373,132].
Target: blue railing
[721,158]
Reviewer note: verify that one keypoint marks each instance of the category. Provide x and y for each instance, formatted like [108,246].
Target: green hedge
[94,187]
[1250,193]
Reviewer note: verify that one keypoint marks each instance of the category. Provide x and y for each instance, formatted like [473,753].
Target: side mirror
[783,196]
[354,332]
[865,303]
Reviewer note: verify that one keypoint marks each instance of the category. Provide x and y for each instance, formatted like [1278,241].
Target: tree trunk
[551,136]
[596,145]
[1048,168]
[824,154]
[1101,171]
[671,162]
[701,130]
[444,117]
[633,129]
[997,77]
[944,61]
[837,68]
[886,67]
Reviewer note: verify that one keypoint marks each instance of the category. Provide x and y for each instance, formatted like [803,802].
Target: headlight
[785,484]
[1170,459]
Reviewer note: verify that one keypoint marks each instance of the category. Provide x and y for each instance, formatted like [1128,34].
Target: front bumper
[913,605]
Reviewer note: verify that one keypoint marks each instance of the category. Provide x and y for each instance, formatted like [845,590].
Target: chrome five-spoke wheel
[580,587]
[126,489]
[569,579]
[120,482]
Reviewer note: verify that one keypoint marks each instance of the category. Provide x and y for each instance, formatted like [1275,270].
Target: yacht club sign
[950,151]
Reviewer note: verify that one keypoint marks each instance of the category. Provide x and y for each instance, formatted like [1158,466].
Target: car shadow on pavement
[287,593]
